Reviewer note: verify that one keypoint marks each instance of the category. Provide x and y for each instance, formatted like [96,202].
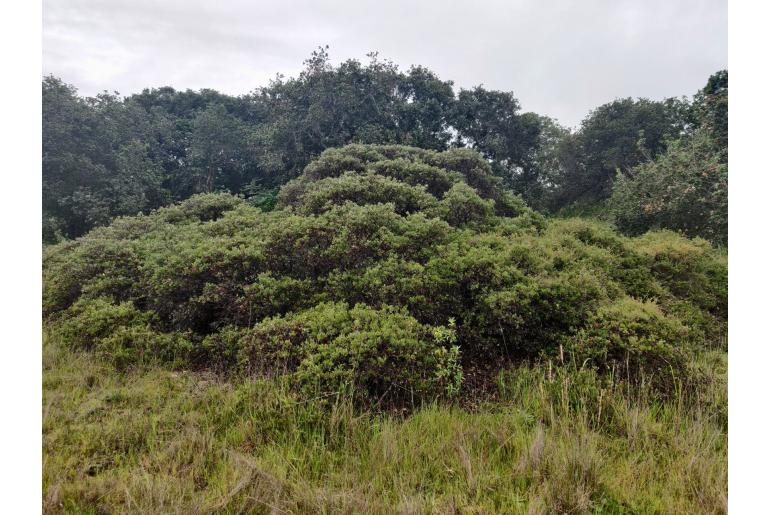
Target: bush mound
[384,271]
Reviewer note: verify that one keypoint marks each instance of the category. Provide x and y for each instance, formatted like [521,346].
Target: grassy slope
[158,441]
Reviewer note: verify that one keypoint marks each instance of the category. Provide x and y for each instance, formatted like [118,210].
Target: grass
[158,441]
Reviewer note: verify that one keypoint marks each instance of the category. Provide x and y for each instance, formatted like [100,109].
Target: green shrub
[462,207]
[436,181]
[376,355]
[93,266]
[121,333]
[691,270]
[270,295]
[531,318]
[685,190]
[202,207]
[88,321]
[409,236]
[363,189]
[636,339]
[131,345]
[413,179]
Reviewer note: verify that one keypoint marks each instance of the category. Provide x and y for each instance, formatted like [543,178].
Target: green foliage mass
[685,190]
[710,107]
[389,272]
[109,156]
[335,349]
[617,136]
[664,164]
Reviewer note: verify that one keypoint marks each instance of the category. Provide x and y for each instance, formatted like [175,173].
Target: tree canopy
[108,156]
[685,188]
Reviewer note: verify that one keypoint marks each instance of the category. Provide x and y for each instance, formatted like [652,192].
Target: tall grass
[554,440]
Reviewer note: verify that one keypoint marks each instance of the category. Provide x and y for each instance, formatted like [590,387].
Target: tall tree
[218,155]
[138,185]
[78,153]
[327,106]
[710,111]
[614,138]
[685,189]
[490,122]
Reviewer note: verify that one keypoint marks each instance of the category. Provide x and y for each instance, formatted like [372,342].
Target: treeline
[109,156]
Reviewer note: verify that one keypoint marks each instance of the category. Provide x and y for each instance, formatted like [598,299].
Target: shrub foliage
[685,190]
[384,271]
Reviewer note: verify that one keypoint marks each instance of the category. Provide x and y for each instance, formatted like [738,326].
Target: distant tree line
[109,156]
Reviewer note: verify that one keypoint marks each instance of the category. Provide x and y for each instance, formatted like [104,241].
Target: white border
[20,212]
[749,201]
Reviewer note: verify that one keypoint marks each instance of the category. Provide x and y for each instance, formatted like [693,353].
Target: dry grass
[156,441]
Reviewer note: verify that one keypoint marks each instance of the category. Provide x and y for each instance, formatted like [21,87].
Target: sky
[559,58]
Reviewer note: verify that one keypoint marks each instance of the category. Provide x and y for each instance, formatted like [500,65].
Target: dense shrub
[462,207]
[634,339]
[364,189]
[690,269]
[685,190]
[348,284]
[379,354]
[120,332]
[92,266]
[88,321]
[141,344]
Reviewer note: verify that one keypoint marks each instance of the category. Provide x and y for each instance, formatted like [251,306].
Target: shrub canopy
[685,190]
[385,270]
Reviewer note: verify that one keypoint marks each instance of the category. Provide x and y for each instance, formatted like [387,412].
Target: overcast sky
[560,58]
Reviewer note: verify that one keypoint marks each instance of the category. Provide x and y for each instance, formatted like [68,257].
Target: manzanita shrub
[384,272]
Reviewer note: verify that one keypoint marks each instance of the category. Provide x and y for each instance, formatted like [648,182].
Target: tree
[613,139]
[138,185]
[218,155]
[77,154]
[685,190]
[553,159]
[710,111]
[329,106]
[102,157]
[490,122]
